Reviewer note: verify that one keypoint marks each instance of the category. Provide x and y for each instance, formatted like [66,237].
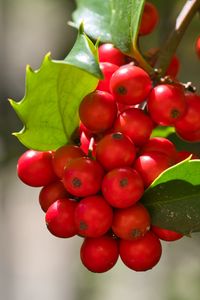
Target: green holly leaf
[111,21]
[173,199]
[96,17]
[49,109]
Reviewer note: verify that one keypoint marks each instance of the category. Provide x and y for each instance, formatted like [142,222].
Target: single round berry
[63,155]
[122,187]
[135,124]
[150,165]
[109,53]
[107,69]
[99,254]
[115,150]
[132,222]
[165,234]
[192,136]
[149,20]
[83,176]
[182,155]
[35,168]
[166,104]
[98,111]
[130,84]
[190,121]
[162,145]
[50,193]
[93,216]
[141,254]
[60,218]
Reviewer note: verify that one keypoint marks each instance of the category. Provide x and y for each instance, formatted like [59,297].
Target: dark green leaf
[96,17]
[111,21]
[173,199]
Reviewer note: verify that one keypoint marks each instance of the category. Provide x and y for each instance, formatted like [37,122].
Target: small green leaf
[49,109]
[173,199]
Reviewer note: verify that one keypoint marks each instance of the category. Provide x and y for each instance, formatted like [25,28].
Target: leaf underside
[173,199]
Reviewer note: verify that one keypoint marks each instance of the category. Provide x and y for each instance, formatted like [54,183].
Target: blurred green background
[34,264]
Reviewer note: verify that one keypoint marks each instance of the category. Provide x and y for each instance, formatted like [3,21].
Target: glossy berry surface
[83,176]
[190,121]
[93,216]
[109,53]
[35,168]
[99,254]
[98,111]
[135,124]
[63,155]
[50,193]
[122,187]
[60,218]
[141,254]
[115,150]
[165,234]
[107,69]
[166,104]
[130,84]
[150,165]
[162,145]
[132,222]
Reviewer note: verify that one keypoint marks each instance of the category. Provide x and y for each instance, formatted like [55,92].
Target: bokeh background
[35,265]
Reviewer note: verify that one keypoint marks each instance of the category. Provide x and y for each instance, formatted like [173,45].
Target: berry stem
[182,22]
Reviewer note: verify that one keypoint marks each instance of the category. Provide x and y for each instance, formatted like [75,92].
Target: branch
[182,22]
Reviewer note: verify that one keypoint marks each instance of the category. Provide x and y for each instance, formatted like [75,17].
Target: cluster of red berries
[92,188]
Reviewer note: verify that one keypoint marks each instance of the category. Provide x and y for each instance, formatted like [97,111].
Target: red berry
[108,53]
[197,46]
[182,155]
[135,124]
[98,111]
[115,151]
[162,145]
[93,216]
[99,254]
[173,67]
[150,165]
[83,176]
[63,156]
[130,84]
[166,104]
[165,234]
[50,193]
[141,254]
[190,121]
[132,222]
[60,218]
[35,168]
[193,136]
[149,20]
[107,69]
[122,187]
